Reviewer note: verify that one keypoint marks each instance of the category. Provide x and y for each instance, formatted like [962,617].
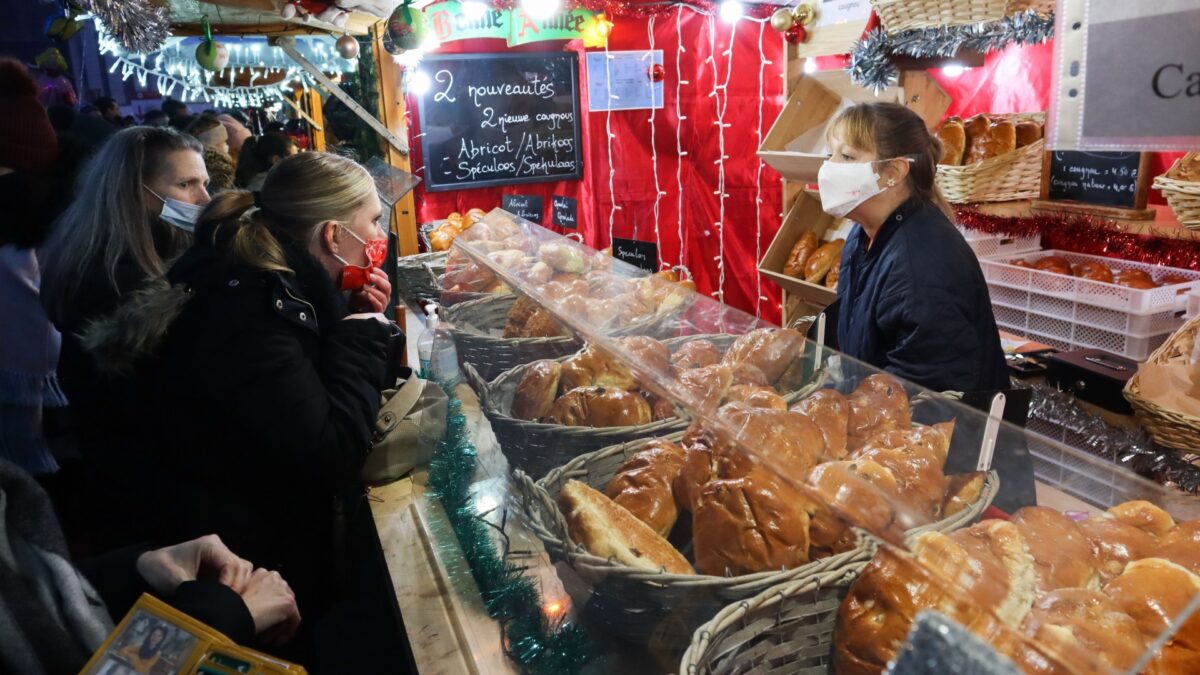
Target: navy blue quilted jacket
[916,305]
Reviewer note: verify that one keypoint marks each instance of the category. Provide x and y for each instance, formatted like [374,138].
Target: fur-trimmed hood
[133,332]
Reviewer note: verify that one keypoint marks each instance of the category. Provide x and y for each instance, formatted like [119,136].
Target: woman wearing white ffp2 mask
[913,300]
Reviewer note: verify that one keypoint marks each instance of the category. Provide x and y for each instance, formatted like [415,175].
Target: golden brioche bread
[643,484]
[975,127]
[786,443]
[593,367]
[540,324]
[441,238]
[962,490]
[1093,271]
[651,354]
[999,139]
[989,561]
[748,525]
[755,397]
[537,390]
[857,493]
[1028,133]
[770,351]
[699,465]
[953,136]
[603,311]
[599,407]
[696,354]
[918,472]
[932,439]
[1182,545]
[821,260]
[660,408]
[830,411]
[518,316]
[1079,624]
[798,258]
[1062,553]
[1144,516]
[704,388]
[609,531]
[835,271]
[1187,169]
[878,404]
[1115,544]
[1155,592]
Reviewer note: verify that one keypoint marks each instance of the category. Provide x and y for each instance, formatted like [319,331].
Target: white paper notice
[831,12]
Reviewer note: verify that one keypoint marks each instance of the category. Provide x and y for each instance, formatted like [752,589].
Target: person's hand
[374,296]
[165,568]
[273,605]
[366,315]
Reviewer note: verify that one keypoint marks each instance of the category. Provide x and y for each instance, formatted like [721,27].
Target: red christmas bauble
[796,34]
[657,72]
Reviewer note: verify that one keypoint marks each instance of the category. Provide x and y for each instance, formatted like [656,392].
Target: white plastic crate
[987,245]
[1096,293]
[1094,480]
[1142,325]
[1066,334]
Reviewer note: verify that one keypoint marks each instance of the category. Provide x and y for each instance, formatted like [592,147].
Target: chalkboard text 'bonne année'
[500,119]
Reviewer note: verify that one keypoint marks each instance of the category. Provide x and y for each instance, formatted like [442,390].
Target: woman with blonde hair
[215,137]
[263,362]
[912,299]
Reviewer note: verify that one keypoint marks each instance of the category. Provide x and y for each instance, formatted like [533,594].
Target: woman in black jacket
[912,299]
[262,385]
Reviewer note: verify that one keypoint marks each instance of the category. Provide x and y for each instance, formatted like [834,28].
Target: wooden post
[391,114]
[317,117]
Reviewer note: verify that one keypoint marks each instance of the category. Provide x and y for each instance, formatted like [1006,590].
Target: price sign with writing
[1114,184]
[528,207]
[500,119]
[643,254]
[563,212]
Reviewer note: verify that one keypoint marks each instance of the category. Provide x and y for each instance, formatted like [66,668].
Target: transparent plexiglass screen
[840,455]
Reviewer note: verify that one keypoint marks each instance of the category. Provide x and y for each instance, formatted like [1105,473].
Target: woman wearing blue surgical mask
[138,198]
[912,298]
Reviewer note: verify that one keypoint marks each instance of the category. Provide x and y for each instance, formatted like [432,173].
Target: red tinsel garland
[1094,236]
[642,9]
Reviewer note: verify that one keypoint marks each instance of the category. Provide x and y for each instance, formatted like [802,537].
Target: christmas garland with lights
[871,64]
[510,597]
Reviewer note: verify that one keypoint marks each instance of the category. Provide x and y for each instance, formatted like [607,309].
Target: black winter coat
[915,304]
[261,400]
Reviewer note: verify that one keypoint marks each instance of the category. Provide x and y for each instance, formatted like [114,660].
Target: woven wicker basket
[901,15]
[637,604]
[535,447]
[1010,177]
[1167,427]
[416,276]
[1183,196]
[478,328]
[1040,6]
[789,628]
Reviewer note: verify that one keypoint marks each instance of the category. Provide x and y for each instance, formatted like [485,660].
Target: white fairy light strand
[720,96]
[762,65]
[612,165]
[658,191]
[679,118]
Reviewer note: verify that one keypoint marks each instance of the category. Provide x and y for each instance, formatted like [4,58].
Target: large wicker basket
[640,605]
[1182,195]
[1168,427]
[901,15]
[416,276]
[478,329]
[789,627]
[1010,177]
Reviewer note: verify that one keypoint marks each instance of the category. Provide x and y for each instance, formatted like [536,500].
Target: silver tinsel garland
[1130,448]
[138,25]
[870,60]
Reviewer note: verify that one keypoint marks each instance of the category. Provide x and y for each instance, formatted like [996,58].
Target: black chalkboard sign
[500,119]
[1101,178]
[563,212]
[643,254]
[528,207]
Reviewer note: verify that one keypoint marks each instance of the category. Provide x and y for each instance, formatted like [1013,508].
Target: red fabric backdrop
[1015,80]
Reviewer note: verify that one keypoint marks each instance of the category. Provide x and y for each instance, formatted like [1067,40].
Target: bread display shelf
[1009,177]
[805,216]
[795,145]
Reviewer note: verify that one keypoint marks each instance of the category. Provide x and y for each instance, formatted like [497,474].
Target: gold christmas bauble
[782,20]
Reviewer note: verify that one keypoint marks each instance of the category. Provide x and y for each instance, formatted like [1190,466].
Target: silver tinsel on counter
[1131,448]
[870,61]
[138,25]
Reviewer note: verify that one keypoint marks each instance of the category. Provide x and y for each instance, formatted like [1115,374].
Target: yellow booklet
[156,639]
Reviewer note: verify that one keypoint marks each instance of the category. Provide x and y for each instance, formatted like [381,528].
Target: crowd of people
[179,286]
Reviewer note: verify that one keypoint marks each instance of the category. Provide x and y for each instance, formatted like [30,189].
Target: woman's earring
[891,182]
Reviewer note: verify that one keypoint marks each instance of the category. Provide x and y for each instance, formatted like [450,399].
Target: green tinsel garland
[510,598]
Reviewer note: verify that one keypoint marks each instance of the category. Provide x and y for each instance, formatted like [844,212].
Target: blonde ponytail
[300,193]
